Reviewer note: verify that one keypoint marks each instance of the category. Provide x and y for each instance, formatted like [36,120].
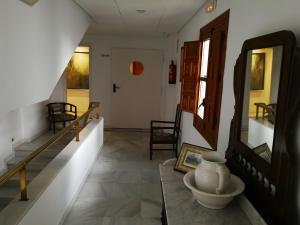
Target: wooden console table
[179,207]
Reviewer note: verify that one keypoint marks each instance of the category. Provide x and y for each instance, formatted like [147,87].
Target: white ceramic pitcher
[212,175]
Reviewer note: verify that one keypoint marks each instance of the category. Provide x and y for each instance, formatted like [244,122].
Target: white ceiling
[120,17]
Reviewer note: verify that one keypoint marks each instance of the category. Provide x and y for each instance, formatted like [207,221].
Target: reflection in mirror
[260,99]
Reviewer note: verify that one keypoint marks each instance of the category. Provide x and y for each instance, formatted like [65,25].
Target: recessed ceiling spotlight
[141,10]
[30,2]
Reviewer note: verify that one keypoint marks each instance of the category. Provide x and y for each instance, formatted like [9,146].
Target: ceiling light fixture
[210,5]
[30,2]
[141,10]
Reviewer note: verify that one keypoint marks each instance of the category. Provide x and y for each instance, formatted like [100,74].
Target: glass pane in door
[202,92]
[204,58]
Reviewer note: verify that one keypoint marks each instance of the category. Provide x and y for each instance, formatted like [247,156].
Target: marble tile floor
[123,187]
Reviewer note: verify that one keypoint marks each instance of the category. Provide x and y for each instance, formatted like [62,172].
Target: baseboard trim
[16,144]
[127,129]
[11,156]
[30,139]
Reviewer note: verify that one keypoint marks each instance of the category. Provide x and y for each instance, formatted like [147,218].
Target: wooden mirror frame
[271,188]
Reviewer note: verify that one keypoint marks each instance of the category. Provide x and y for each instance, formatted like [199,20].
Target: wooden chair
[158,136]
[61,112]
[271,112]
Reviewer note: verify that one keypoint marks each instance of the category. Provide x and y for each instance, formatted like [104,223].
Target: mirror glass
[260,99]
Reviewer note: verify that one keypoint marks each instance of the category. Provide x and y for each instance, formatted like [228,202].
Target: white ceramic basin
[214,201]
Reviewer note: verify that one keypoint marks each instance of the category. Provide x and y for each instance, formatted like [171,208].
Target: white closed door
[136,99]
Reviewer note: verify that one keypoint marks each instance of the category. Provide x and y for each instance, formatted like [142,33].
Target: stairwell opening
[77,75]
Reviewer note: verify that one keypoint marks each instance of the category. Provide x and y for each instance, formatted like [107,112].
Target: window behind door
[202,69]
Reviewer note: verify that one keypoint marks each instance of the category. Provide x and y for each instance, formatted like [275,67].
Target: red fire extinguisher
[172,73]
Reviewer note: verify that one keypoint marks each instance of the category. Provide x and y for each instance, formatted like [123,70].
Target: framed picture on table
[264,152]
[189,157]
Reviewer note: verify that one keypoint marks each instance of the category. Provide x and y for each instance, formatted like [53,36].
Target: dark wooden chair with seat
[159,136]
[271,112]
[61,112]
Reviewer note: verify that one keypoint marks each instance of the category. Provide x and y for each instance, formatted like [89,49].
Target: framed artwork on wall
[258,71]
[77,71]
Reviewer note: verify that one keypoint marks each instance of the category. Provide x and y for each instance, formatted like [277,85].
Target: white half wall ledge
[29,2]
[52,193]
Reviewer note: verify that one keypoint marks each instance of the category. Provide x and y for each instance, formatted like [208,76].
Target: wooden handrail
[20,167]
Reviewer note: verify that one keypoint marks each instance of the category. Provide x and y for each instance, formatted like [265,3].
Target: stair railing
[20,167]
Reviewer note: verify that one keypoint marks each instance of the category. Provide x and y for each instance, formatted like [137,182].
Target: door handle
[115,87]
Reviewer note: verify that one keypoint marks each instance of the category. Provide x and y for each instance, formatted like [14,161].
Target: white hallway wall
[36,44]
[100,77]
[59,93]
[247,19]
